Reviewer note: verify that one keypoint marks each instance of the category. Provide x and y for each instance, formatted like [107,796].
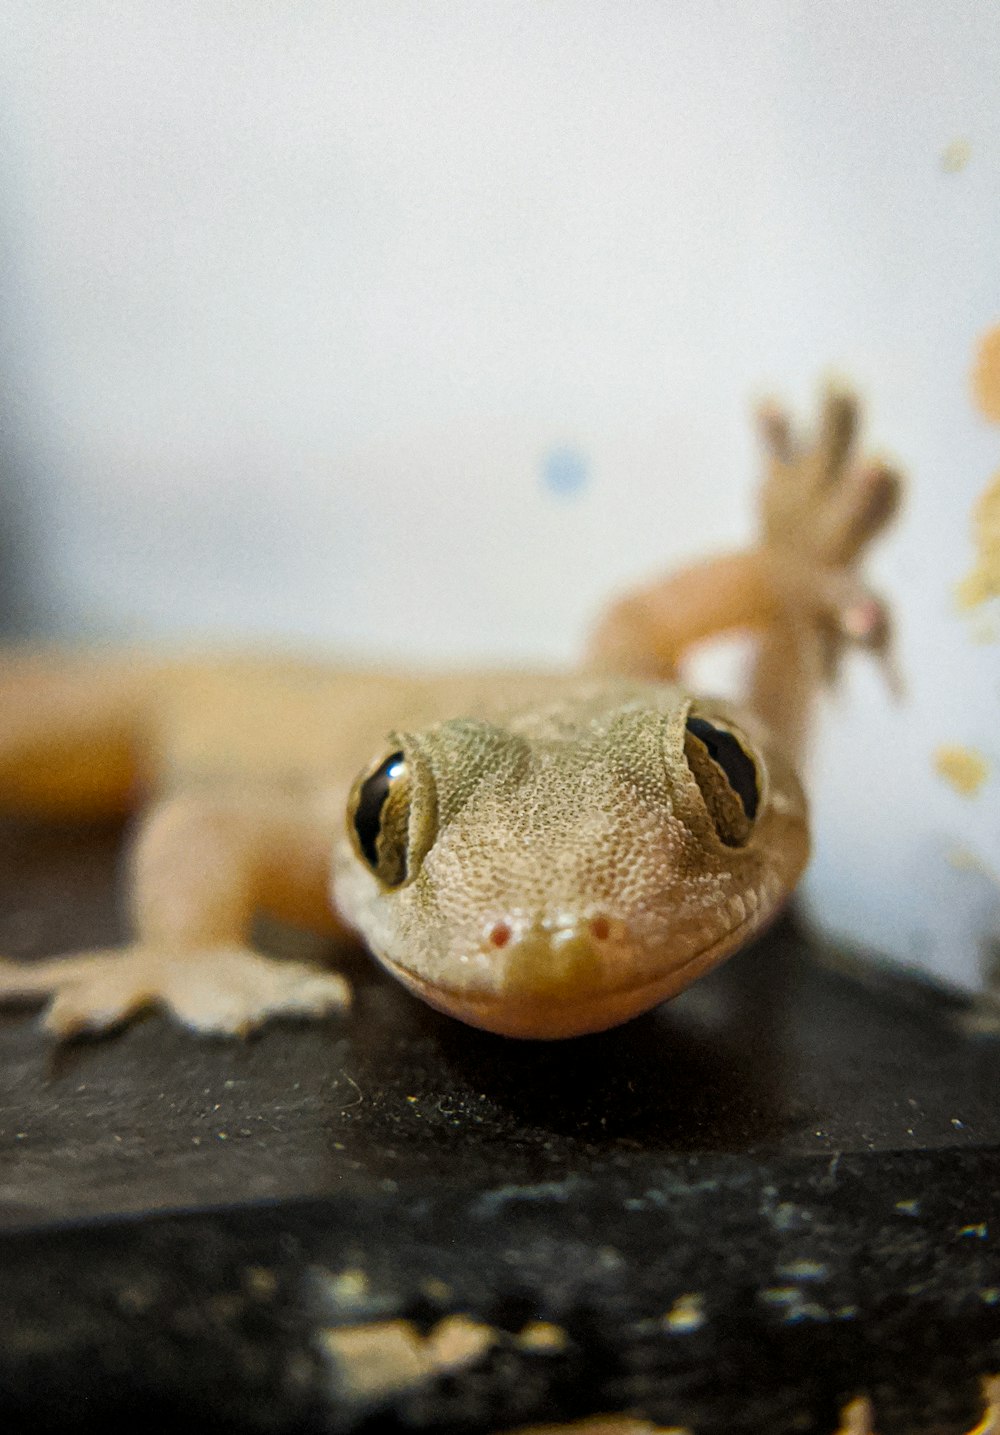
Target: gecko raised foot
[221,991]
[820,510]
[798,589]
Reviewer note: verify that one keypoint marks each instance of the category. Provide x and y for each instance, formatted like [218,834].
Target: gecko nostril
[500,934]
[600,928]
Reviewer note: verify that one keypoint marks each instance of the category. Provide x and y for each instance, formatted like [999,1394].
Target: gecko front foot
[220,991]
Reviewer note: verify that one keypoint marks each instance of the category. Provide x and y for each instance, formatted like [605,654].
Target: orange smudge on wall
[986,375]
[964,768]
[983,581]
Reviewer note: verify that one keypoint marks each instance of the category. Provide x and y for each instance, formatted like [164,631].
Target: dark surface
[813,1156]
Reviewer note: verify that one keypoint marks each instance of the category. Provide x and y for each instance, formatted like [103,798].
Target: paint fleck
[955,156]
[965,861]
[564,471]
[986,375]
[985,630]
[983,582]
[964,768]
[910,1207]
[980,1231]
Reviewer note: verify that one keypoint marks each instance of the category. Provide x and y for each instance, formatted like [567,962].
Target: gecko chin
[550,991]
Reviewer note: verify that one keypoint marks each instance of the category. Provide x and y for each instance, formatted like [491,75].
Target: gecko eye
[727,778]
[379,816]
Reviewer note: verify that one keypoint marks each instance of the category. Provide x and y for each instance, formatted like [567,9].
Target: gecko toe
[82,1009]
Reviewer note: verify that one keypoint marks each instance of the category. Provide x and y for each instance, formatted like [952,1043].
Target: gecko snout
[552,958]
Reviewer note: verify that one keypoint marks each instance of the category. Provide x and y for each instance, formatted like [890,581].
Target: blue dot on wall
[565,471]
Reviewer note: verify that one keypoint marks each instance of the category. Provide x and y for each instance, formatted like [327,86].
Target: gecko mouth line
[638,997]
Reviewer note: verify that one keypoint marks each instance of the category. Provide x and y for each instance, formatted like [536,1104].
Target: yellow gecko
[540,855]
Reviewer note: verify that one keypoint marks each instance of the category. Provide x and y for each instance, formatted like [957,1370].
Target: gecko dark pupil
[726,753]
[371,800]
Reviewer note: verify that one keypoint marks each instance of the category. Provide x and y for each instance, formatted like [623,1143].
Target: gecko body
[538,854]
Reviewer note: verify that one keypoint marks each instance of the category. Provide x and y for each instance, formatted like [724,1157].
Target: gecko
[538,854]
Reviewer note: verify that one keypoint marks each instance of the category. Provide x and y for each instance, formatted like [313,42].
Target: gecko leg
[202,868]
[799,590]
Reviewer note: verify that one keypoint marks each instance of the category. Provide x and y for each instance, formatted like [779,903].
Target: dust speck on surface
[857,1418]
[260,1282]
[963,767]
[601,1425]
[458,1340]
[436,1289]
[376,1359]
[348,1287]
[542,1335]
[686,1313]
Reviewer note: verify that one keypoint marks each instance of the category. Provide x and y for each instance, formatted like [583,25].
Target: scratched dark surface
[809,1157]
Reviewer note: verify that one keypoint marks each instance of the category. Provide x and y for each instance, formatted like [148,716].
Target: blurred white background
[412,330]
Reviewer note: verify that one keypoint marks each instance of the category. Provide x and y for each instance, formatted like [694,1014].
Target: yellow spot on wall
[963,767]
[963,860]
[955,156]
[986,375]
[984,580]
[984,630]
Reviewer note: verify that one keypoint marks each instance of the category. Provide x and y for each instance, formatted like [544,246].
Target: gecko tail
[71,730]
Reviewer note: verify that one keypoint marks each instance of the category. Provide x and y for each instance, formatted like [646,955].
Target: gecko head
[559,869]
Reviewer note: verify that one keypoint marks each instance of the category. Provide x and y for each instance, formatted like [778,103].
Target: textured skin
[559,834]
[576,829]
